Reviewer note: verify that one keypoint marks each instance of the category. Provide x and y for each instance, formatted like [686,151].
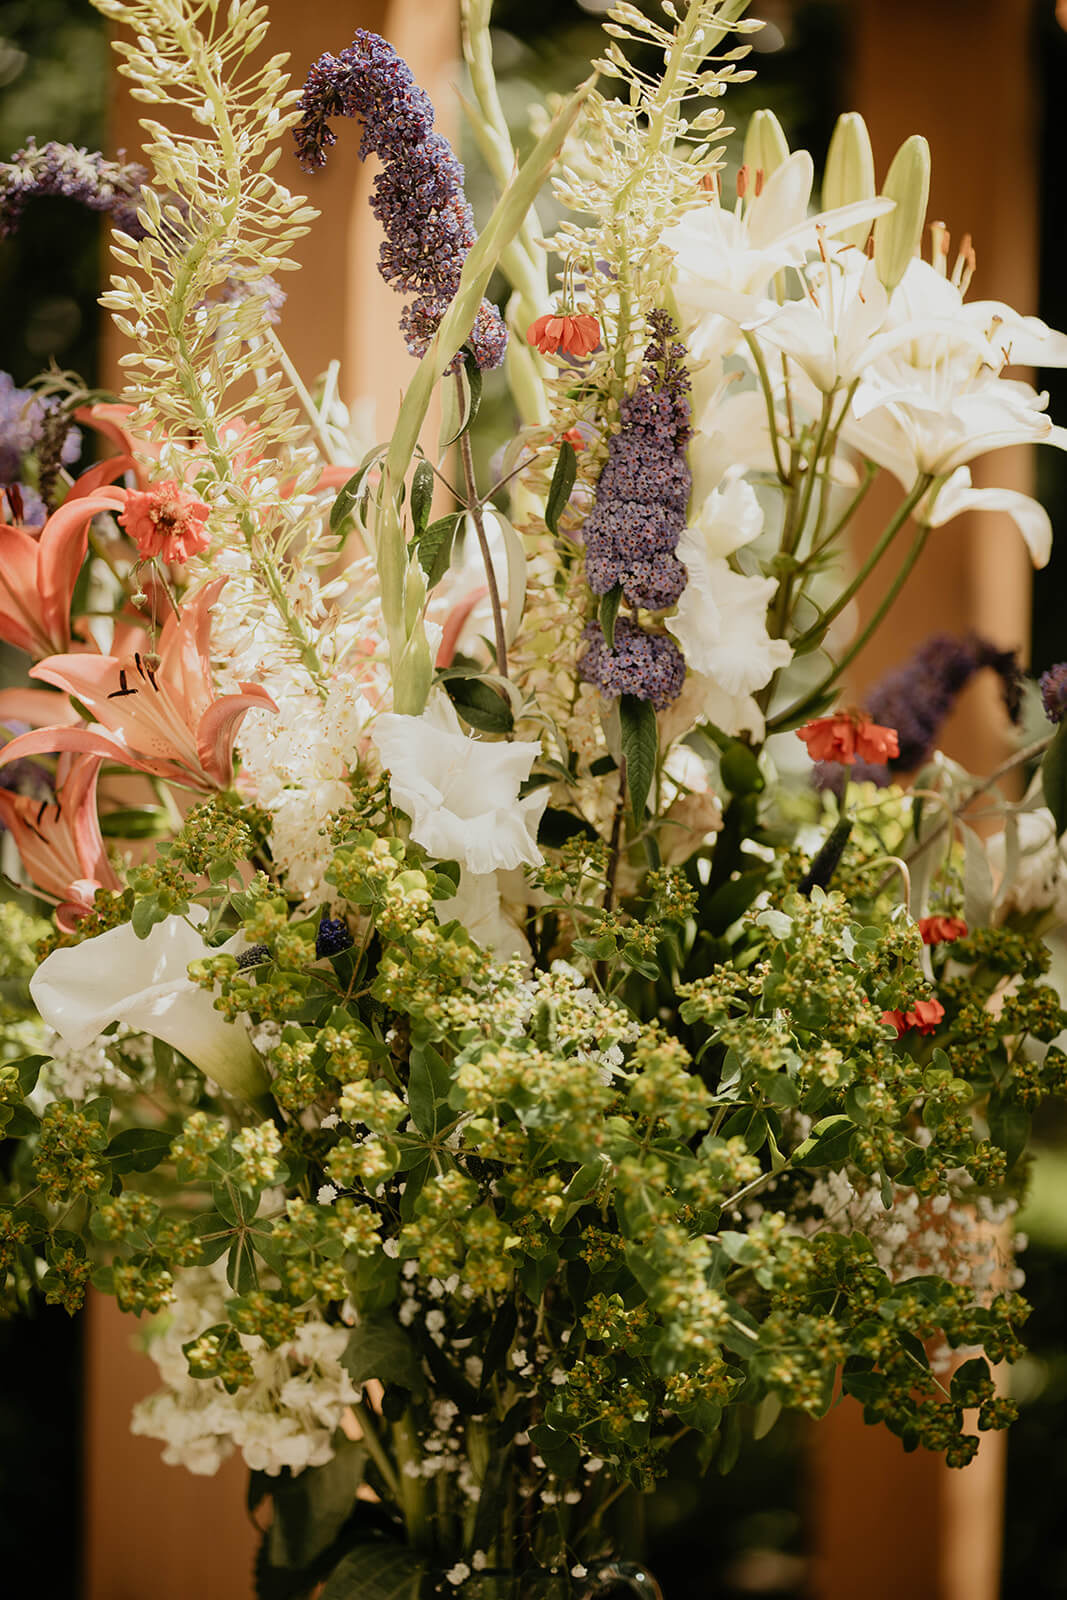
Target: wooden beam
[150,1528]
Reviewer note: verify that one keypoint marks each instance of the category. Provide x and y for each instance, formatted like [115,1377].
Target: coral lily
[59,842]
[38,571]
[156,715]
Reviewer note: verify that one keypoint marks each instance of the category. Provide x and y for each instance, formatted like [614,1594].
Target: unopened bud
[849,175]
[766,146]
[897,235]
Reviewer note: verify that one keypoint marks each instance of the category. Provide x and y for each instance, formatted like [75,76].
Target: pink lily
[160,717]
[38,571]
[60,843]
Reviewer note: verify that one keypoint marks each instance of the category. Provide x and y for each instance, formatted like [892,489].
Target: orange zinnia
[848,736]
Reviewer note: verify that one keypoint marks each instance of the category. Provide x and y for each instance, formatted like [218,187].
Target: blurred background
[750,1532]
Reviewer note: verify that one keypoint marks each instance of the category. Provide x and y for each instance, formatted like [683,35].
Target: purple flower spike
[1054,692]
[61,169]
[418,195]
[648,665]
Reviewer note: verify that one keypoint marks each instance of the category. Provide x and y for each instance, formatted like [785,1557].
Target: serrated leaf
[434,547]
[421,497]
[1054,777]
[559,490]
[640,747]
[608,614]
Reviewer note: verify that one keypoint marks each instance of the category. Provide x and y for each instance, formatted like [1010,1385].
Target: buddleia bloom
[62,169]
[418,194]
[638,514]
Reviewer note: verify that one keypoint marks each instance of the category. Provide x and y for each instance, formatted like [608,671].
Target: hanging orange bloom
[848,736]
[165,520]
[942,930]
[576,335]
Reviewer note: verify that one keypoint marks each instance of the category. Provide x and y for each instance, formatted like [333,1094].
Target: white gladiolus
[461,793]
[145,983]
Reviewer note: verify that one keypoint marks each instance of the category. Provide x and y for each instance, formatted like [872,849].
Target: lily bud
[898,234]
[849,174]
[766,146]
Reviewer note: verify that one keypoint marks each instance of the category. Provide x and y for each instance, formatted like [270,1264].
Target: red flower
[576,335]
[848,736]
[942,930]
[897,1020]
[166,521]
[925,1015]
[574,436]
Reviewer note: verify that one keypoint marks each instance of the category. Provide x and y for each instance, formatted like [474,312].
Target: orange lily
[38,571]
[60,843]
[161,717]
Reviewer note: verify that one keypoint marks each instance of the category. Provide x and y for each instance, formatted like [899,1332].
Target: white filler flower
[461,793]
[145,983]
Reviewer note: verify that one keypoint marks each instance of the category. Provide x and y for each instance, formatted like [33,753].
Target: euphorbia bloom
[849,736]
[942,930]
[59,843]
[576,334]
[162,717]
[38,572]
[166,521]
[145,983]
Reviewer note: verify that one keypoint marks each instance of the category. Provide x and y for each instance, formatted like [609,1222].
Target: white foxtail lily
[116,977]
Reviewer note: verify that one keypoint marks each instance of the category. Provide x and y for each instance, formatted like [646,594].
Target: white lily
[461,793]
[116,977]
[959,495]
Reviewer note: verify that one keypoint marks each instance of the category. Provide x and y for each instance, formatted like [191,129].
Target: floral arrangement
[471,983]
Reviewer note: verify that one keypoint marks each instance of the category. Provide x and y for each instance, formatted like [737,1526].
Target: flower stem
[474,506]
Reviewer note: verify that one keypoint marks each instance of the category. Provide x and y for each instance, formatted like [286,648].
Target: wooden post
[151,1529]
[885,1524]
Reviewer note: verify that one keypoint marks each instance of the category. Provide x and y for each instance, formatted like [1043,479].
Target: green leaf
[350,494]
[421,497]
[1009,1127]
[559,490]
[479,705]
[828,1145]
[739,768]
[434,547]
[977,880]
[28,1068]
[138,1149]
[1054,777]
[608,613]
[640,746]
[146,913]
[379,1348]
[374,1572]
[429,1084]
[311,1509]
[515,553]
[461,395]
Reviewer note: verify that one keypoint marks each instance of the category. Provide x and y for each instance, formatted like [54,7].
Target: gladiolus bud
[849,174]
[898,234]
[766,146]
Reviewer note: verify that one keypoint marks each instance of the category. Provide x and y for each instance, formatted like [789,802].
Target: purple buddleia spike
[1054,692]
[418,195]
[647,665]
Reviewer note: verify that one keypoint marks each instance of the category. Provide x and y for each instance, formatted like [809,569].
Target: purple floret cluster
[32,425]
[418,195]
[638,515]
[649,666]
[62,169]
[1054,692]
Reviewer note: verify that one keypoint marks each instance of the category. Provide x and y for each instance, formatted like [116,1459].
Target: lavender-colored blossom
[418,195]
[916,699]
[638,514]
[647,665]
[75,174]
[1054,692]
[32,425]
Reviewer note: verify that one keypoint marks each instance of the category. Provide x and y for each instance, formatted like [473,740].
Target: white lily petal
[1029,516]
